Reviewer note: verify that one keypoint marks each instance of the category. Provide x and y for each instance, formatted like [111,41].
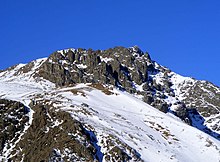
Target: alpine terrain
[106,105]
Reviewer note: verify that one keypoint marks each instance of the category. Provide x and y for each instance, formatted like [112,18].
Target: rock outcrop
[125,68]
[51,131]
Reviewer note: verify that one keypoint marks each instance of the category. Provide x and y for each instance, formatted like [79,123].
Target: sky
[182,35]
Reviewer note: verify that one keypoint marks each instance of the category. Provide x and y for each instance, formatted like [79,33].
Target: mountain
[106,105]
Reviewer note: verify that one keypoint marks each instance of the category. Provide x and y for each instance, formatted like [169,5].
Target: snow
[56,123]
[81,66]
[20,88]
[7,152]
[106,59]
[158,77]
[64,62]
[178,81]
[156,136]
[138,87]
[15,87]
[66,50]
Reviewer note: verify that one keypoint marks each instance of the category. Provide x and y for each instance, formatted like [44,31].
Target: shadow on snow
[197,121]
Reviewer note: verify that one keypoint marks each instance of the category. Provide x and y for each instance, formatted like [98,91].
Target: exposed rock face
[125,68]
[205,97]
[13,121]
[109,66]
[131,70]
[52,131]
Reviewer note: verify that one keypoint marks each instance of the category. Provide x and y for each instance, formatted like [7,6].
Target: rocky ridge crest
[129,69]
[132,70]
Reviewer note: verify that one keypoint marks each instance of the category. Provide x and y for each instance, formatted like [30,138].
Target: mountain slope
[85,105]
[132,70]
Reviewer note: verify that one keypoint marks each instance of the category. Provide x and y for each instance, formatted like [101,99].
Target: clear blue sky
[183,35]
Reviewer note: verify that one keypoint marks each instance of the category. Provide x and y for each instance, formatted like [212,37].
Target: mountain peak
[102,105]
[136,49]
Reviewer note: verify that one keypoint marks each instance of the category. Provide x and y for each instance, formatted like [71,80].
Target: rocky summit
[106,105]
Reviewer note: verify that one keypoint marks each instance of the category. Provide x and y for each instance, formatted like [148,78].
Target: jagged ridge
[128,69]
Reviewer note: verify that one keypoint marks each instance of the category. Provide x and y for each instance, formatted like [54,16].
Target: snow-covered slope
[202,95]
[139,130]
[154,135]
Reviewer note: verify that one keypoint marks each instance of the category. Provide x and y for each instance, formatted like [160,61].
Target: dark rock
[12,124]
[148,99]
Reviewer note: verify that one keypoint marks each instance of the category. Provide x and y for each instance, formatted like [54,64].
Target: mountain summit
[106,105]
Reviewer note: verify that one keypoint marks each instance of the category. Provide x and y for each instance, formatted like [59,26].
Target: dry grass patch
[77,92]
[100,87]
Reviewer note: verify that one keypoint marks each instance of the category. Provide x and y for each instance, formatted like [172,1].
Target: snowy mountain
[106,105]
